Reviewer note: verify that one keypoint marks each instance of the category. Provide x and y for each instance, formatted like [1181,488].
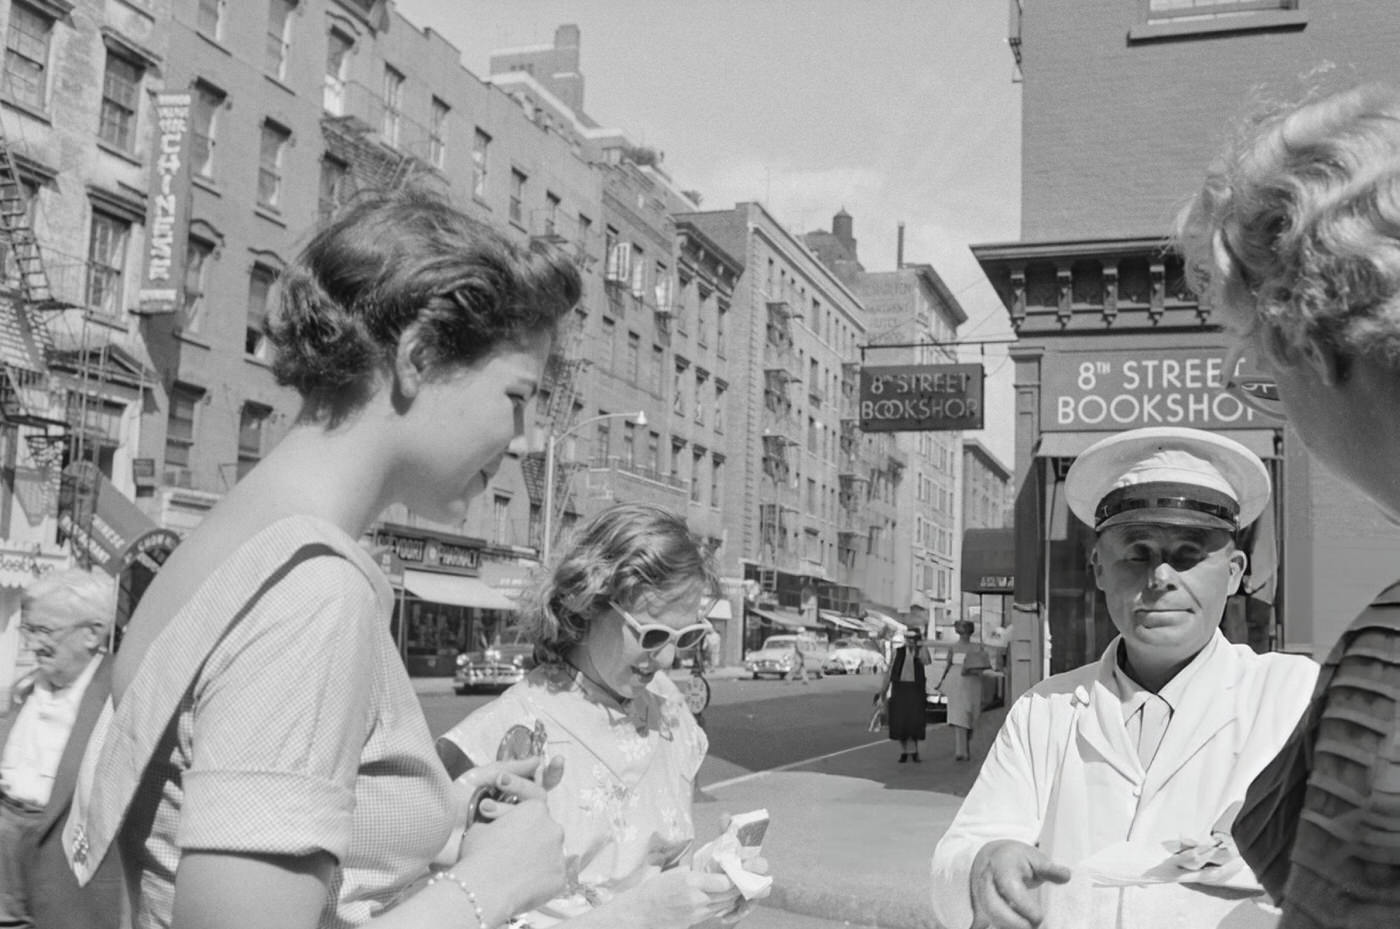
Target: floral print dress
[629,770]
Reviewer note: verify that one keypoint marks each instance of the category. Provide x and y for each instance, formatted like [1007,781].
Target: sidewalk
[851,836]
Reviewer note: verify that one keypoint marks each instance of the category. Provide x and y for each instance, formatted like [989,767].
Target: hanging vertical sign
[168,215]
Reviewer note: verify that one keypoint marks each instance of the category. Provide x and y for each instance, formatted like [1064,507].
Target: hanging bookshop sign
[921,398]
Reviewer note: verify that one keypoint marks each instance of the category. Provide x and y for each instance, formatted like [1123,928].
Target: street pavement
[852,830]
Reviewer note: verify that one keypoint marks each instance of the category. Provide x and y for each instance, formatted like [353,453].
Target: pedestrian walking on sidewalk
[268,765]
[632,590]
[799,663]
[961,683]
[903,691]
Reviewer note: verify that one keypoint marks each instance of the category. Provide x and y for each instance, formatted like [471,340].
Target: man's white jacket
[1063,776]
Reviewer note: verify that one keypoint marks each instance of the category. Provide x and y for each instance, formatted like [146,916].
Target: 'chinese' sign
[1124,390]
[168,217]
[921,398]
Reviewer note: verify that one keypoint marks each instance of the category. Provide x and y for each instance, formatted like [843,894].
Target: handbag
[877,719]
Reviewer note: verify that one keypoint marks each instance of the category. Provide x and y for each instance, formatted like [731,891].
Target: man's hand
[1005,874]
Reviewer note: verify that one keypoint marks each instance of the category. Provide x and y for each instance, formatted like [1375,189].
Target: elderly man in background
[65,617]
[1120,780]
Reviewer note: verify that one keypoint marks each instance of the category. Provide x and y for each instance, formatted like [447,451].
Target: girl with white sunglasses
[630,591]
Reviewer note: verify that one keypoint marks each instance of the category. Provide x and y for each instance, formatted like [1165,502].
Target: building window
[197,254]
[609,343]
[658,370]
[27,55]
[697,461]
[629,445]
[716,479]
[700,379]
[210,18]
[338,46]
[500,520]
[393,102]
[121,94]
[719,406]
[678,391]
[481,143]
[437,138]
[334,177]
[517,196]
[252,428]
[179,432]
[261,282]
[106,260]
[1163,9]
[274,145]
[208,100]
[279,36]
[633,362]
[551,212]
[654,453]
[602,444]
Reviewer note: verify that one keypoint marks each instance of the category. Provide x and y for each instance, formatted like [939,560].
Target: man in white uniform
[1107,798]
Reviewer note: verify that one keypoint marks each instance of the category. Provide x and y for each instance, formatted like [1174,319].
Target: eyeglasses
[1257,391]
[653,637]
[36,631]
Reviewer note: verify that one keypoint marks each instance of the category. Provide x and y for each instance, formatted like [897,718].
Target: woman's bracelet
[449,876]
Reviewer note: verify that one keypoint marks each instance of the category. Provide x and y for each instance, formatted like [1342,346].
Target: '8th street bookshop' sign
[1124,390]
[921,398]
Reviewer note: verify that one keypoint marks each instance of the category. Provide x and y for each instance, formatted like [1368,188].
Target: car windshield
[780,641]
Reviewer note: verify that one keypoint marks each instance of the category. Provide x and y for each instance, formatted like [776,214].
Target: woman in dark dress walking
[903,693]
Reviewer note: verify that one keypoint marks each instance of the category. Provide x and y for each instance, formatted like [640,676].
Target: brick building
[1124,105]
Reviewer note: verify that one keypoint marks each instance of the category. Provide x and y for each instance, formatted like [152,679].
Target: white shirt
[1146,715]
[39,736]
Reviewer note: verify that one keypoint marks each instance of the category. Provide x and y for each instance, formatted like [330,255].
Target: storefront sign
[989,561]
[164,266]
[429,552]
[921,398]
[1125,390]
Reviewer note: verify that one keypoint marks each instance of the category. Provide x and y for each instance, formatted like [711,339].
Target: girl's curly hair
[393,259]
[1296,231]
[630,553]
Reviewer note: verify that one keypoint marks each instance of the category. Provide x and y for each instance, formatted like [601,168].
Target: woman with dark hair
[903,694]
[267,763]
[606,623]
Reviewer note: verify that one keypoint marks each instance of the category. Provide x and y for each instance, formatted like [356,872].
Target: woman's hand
[678,899]
[519,848]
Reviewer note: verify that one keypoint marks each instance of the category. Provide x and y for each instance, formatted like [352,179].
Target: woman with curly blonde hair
[606,625]
[1295,240]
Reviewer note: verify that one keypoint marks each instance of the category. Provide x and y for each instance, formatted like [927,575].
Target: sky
[895,110]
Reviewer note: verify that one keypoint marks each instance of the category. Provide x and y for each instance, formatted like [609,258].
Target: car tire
[757,676]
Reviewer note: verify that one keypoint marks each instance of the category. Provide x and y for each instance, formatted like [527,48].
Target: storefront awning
[456,590]
[787,618]
[1073,444]
[877,623]
[841,622]
[720,610]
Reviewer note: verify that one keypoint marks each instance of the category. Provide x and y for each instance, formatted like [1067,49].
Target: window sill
[210,40]
[481,202]
[115,152]
[270,214]
[206,184]
[102,319]
[277,82]
[27,109]
[264,363]
[1263,21]
[190,338]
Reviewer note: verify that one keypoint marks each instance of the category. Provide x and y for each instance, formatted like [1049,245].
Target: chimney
[566,36]
[843,229]
[899,249]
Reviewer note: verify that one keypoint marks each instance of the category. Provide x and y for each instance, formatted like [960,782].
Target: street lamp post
[547,543]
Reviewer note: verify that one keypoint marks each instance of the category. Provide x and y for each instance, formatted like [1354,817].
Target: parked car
[775,657]
[494,667]
[854,656]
